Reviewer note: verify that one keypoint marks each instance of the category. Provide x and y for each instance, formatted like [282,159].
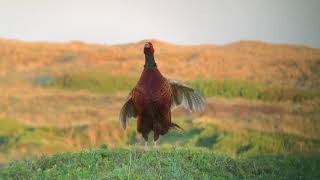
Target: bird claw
[145,145]
[156,142]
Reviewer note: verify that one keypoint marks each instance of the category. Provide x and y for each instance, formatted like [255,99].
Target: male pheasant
[153,98]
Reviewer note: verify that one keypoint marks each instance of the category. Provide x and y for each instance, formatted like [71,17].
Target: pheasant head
[148,48]
[149,57]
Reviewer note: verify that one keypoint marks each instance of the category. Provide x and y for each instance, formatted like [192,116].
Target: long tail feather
[176,126]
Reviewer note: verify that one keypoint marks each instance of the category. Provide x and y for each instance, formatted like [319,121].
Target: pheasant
[154,97]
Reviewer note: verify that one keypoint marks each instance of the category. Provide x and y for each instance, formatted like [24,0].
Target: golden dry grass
[288,65]
[22,62]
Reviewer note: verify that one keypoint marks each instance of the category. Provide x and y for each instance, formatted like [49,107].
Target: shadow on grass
[208,141]
[244,148]
[173,137]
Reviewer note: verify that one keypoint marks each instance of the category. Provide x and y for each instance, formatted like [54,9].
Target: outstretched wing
[127,111]
[186,96]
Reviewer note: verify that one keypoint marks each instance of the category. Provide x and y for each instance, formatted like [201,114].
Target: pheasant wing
[186,96]
[127,111]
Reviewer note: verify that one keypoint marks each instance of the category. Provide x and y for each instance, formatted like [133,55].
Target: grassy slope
[18,141]
[290,65]
[106,84]
[161,164]
[258,71]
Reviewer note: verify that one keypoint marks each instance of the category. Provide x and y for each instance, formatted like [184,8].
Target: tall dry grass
[290,65]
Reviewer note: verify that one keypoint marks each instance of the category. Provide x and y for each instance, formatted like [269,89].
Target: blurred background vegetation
[262,99]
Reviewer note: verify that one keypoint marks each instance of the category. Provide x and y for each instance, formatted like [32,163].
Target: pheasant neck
[149,61]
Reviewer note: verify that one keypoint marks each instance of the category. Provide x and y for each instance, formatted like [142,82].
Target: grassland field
[59,105]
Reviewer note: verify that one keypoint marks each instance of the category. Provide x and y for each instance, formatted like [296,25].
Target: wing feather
[127,111]
[186,96]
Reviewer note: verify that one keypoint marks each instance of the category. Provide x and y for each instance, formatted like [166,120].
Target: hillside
[261,117]
[289,65]
[175,163]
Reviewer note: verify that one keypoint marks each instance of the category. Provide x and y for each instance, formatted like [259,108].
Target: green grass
[205,151]
[23,140]
[162,163]
[251,90]
[241,143]
[251,143]
[95,83]
[18,139]
[107,84]
[10,126]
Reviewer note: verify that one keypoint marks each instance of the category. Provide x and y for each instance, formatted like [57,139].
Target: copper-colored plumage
[153,98]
